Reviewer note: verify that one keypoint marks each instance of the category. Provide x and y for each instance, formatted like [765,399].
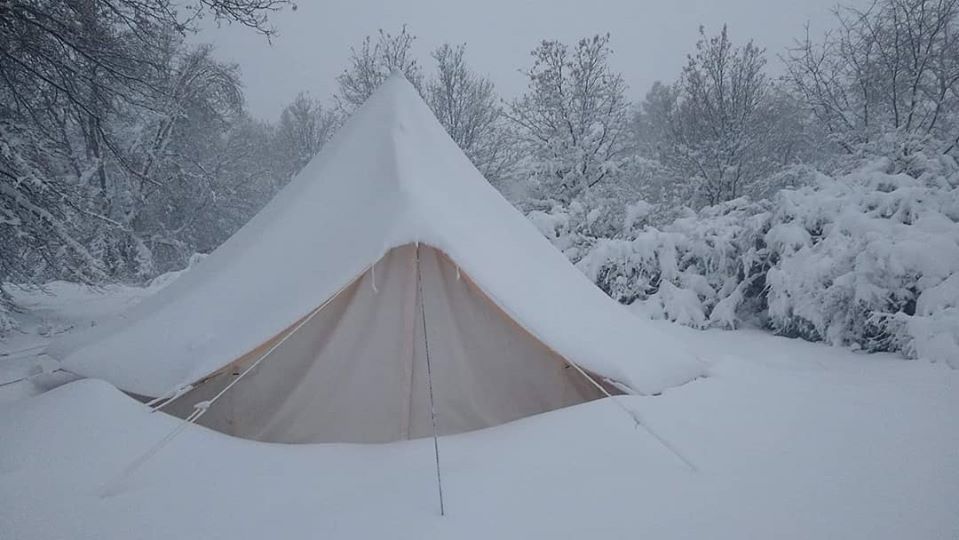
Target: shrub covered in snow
[7,321]
[871,259]
[696,270]
[867,258]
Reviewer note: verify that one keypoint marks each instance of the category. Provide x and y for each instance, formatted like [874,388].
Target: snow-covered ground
[59,308]
[790,440]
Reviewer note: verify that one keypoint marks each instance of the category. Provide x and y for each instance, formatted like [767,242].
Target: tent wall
[357,372]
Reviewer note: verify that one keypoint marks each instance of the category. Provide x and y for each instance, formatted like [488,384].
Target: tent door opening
[357,371]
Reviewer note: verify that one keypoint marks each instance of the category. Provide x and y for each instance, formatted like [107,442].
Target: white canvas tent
[387,249]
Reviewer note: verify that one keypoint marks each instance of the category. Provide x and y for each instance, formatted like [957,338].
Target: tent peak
[396,86]
[397,73]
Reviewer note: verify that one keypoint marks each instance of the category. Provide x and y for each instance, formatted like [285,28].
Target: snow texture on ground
[791,440]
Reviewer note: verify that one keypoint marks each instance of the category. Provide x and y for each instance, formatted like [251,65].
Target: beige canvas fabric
[356,372]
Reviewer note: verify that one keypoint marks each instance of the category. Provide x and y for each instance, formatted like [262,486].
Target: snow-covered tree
[467,106]
[304,127]
[373,62]
[92,96]
[723,129]
[179,152]
[40,204]
[573,121]
[886,75]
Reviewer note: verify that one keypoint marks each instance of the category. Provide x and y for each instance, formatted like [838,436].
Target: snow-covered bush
[599,214]
[867,258]
[7,322]
[697,270]
[564,226]
[870,258]
[933,331]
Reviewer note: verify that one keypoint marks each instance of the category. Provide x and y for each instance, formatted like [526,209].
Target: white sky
[650,39]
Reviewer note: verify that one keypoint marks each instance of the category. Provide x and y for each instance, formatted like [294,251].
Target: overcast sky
[650,39]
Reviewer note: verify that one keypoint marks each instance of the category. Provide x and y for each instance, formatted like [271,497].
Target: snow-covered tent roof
[391,176]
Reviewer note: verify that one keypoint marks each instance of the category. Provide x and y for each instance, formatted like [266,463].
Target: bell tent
[386,274]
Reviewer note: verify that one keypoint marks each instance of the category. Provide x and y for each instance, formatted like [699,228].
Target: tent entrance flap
[357,371]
